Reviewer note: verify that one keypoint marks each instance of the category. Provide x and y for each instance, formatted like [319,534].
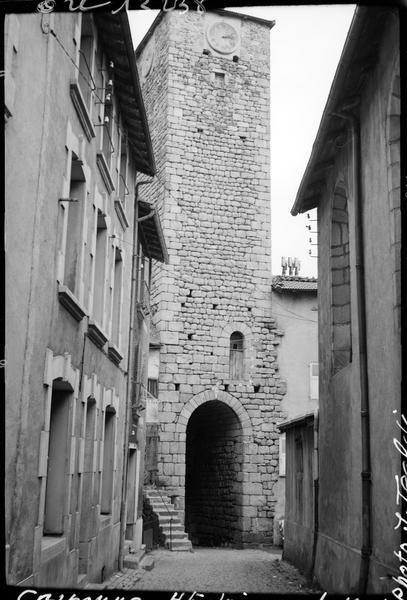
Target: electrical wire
[293,317]
[93,89]
[298,316]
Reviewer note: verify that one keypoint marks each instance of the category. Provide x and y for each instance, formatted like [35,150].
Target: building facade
[301,490]
[205,78]
[295,307]
[353,179]
[75,135]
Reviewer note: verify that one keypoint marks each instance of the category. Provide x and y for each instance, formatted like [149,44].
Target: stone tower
[205,80]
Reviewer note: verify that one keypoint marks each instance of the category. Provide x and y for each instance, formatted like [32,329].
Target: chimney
[290,266]
[283,264]
[297,265]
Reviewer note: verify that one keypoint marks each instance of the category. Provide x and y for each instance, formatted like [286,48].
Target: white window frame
[73,145]
[116,247]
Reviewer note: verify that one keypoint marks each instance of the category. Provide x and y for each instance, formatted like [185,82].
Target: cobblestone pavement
[214,570]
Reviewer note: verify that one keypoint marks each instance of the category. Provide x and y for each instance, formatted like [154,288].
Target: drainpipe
[131,375]
[366,549]
[316,491]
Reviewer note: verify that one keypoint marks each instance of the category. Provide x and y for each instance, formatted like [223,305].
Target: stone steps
[175,537]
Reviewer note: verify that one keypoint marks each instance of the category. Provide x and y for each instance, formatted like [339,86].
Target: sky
[305,47]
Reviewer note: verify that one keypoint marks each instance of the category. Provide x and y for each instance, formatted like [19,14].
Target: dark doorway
[213,490]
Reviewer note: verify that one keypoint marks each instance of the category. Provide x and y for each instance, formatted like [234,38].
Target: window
[75,207]
[123,171]
[340,266]
[100,269]
[85,78]
[152,387]
[108,461]
[117,296]
[107,134]
[143,290]
[219,78]
[104,116]
[57,460]
[236,356]
[281,455]
[87,475]
[83,87]
[89,257]
[313,381]
[153,371]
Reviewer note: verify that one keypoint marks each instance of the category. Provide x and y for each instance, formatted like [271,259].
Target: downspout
[366,549]
[131,376]
[316,491]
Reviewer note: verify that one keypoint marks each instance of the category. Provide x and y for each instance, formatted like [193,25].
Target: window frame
[237,371]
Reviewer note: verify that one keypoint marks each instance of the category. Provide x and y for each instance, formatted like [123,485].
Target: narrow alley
[214,570]
[180,414]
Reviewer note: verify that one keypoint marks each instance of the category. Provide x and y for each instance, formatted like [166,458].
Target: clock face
[223,37]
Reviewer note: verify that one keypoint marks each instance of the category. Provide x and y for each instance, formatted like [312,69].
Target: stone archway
[217,433]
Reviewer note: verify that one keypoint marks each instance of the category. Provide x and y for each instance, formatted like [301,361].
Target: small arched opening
[214,478]
[341,292]
[236,356]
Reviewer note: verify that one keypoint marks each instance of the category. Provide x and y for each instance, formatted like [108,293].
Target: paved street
[214,570]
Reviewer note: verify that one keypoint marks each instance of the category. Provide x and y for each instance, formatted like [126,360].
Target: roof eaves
[128,90]
[152,232]
[136,82]
[306,419]
[365,17]
[244,17]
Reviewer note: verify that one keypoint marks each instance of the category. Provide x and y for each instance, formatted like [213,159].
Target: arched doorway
[214,476]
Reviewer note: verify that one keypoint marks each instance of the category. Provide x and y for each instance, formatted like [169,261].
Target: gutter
[366,549]
[136,82]
[316,491]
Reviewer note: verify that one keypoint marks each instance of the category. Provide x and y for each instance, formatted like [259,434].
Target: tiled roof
[114,30]
[294,284]
[300,420]
[151,233]
[359,55]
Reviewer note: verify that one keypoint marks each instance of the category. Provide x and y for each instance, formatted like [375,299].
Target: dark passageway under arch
[214,460]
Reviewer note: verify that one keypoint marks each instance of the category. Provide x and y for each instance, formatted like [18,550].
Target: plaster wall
[38,133]
[339,540]
[297,318]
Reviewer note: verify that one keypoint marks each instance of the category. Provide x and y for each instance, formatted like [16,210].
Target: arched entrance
[214,476]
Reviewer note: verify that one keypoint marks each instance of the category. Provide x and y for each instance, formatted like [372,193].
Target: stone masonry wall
[215,210]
